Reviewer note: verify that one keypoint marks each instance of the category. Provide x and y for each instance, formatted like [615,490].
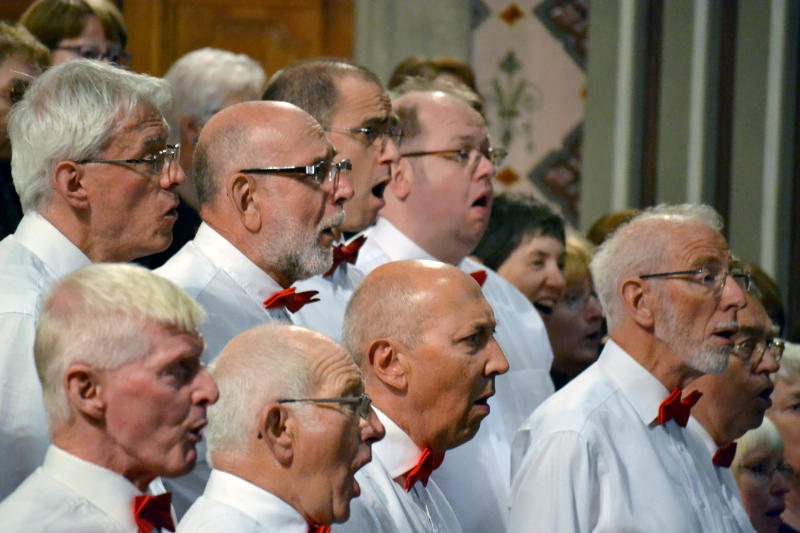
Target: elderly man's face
[362,104]
[156,406]
[763,487]
[454,196]
[454,364]
[738,398]
[695,322]
[132,204]
[336,442]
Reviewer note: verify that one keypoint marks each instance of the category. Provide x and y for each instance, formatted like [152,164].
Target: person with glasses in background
[736,400]
[762,477]
[97,182]
[438,206]
[350,103]
[270,197]
[73,29]
[291,429]
[423,334]
[609,451]
[22,58]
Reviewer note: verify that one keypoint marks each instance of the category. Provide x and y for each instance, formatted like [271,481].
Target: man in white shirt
[736,401]
[270,197]
[438,206]
[291,429]
[118,354]
[423,335]
[97,183]
[609,451]
[349,102]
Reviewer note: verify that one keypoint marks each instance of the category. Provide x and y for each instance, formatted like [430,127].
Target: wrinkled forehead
[696,245]
[362,99]
[447,118]
[334,371]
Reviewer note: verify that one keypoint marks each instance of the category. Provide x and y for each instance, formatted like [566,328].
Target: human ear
[278,429]
[638,300]
[68,184]
[241,192]
[387,361]
[83,387]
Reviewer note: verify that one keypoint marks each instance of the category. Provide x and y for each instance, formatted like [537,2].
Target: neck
[446,250]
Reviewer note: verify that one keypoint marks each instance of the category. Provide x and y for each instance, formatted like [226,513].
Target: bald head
[249,135]
[415,110]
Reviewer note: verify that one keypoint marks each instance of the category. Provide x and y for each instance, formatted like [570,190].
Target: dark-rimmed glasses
[362,404]
[385,130]
[711,278]
[318,172]
[117,57]
[462,155]
[752,351]
[157,162]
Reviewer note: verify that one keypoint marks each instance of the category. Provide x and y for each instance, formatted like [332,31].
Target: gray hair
[789,371]
[640,246]
[257,367]
[765,436]
[72,112]
[202,80]
[95,316]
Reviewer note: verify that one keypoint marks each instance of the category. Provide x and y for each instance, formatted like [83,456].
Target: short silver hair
[95,316]
[766,437]
[789,371]
[255,368]
[72,112]
[202,80]
[640,246]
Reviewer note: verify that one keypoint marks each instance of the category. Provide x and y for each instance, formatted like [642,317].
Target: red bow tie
[153,511]
[423,470]
[318,529]
[345,253]
[723,457]
[675,408]
[480,276]
[290,299]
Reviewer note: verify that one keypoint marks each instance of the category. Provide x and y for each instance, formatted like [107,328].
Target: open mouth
[545,308]
[482,200]
[765,394]
[378,190]
[726,333]
[775,513]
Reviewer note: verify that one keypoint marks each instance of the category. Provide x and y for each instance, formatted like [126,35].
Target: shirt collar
[642,389]
[238,266]
[396,450]
[697,428]
[44,240]
[262,506]
[398,246]
[106,490]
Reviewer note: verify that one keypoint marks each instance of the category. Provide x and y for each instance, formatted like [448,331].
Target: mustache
[333,221]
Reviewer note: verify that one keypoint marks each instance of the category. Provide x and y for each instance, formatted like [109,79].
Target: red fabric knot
[479,276]
[153,511]
[313,528]
[345,253]
[423,469]
[723,457]
[290,299]
[676,408]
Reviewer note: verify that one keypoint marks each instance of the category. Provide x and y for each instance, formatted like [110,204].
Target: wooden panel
[274,32]
[10,10]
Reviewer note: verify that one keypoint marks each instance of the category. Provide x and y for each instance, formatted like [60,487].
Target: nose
[779,486]
[485,169]
[496,362]
[732,296]
[343,191]
[555,277]
[172,176]
[206,391]
[371,428]
[388,153]
[768,363]
[593,310]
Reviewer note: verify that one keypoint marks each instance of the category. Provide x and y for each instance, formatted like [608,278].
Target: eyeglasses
[157,162]
[463,155]
[117,57]
[318,172]
[712,278]
[362,404]
[765,472]
[385,130]
[753,351]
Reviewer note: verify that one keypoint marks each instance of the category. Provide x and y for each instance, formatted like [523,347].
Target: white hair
[765,436]
[202,80]
[96,315]
[789,370]
[257,367]
[71,112]
[640,246]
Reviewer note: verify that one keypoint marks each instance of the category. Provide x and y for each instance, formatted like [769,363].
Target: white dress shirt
[231,289]
[737,519]
[31,259]
[592,458]
[234,505]
[474,477]
[327,315]
[68,494]
[384,505]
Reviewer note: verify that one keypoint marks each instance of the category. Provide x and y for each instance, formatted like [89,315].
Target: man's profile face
[156,406]
[337,442]
[694,322]
[362,104]
[454,364]
[455,197]
[133,205]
